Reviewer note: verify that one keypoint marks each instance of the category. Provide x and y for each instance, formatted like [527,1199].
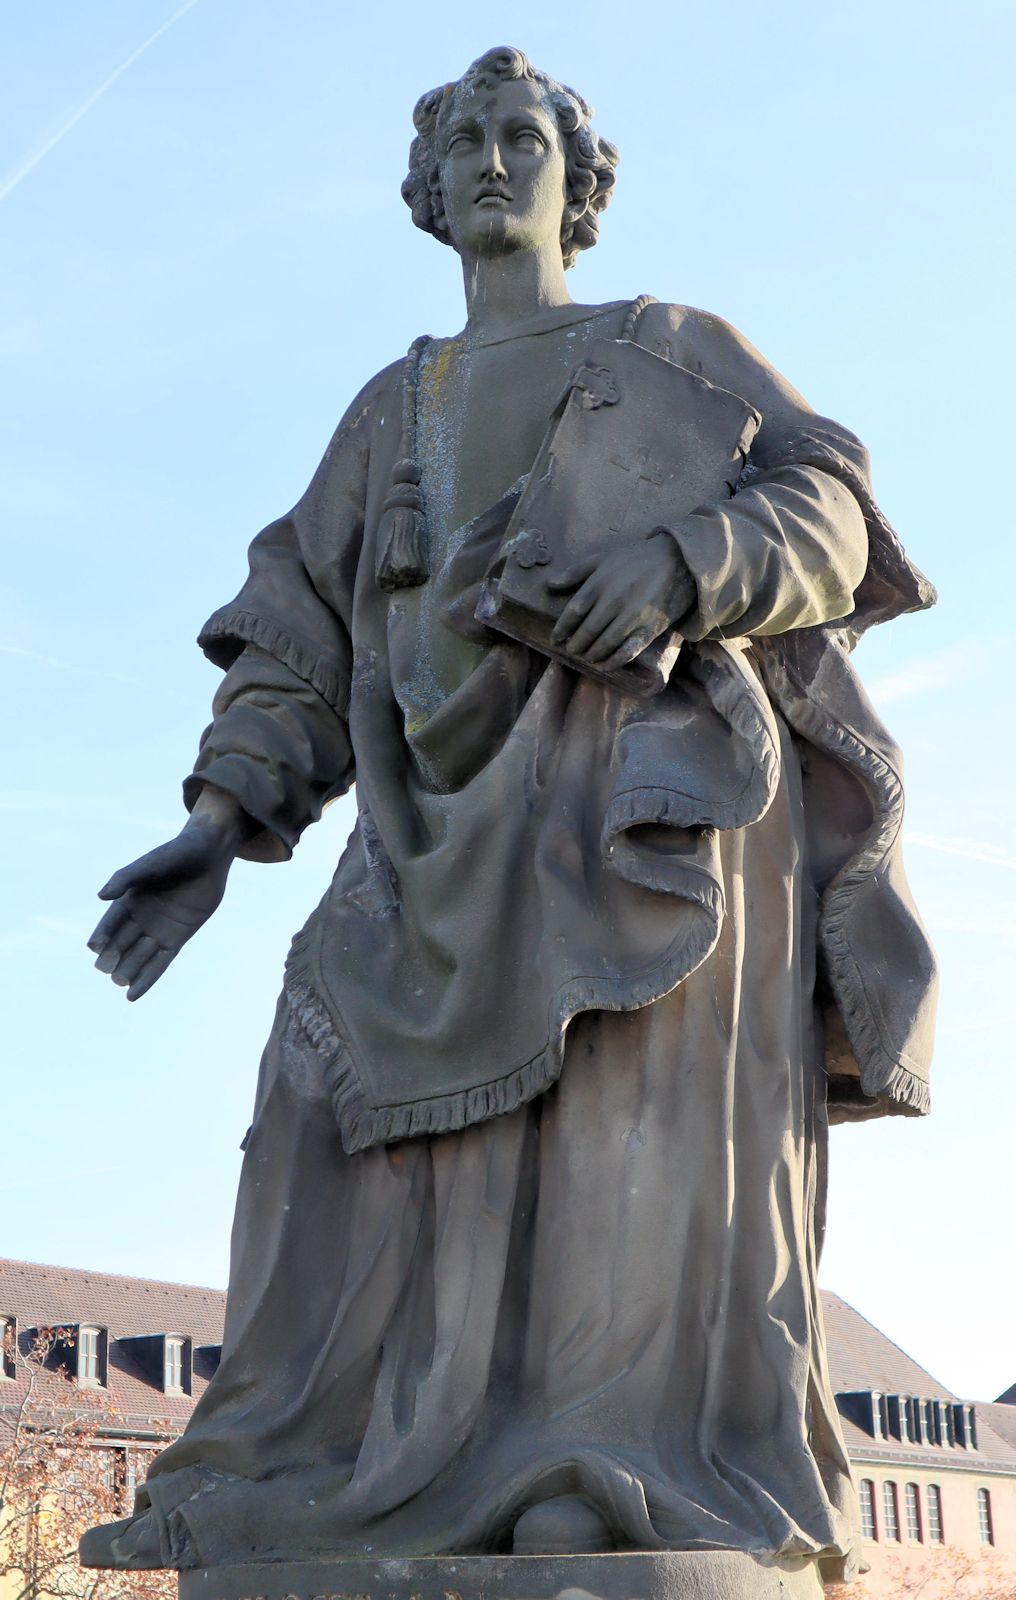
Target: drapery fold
[575,822]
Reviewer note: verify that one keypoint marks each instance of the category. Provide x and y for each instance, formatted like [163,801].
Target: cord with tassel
[402,536]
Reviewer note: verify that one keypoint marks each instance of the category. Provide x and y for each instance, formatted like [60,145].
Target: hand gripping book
[635,444]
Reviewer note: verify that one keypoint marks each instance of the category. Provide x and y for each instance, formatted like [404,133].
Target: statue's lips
[493,197]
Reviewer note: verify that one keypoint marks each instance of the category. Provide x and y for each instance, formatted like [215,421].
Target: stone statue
[524,1261]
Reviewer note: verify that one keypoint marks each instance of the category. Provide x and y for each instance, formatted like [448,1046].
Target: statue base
[673,1575]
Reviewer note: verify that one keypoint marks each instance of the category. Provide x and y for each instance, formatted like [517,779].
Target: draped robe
[532,1199]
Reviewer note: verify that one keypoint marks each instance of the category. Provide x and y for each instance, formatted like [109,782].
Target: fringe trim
[362,1125]
[740,700]
[883,1074]
[671,875]
[247,627]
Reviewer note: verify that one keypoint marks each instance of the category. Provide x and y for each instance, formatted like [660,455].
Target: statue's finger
[611,639]
[590,629]
[108,926]
[118,885]
[578,572]
[628,650]
[577,608]
[137,957]
[116,948]
[149,974]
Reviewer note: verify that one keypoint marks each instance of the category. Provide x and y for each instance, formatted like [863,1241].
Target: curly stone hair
[589,160]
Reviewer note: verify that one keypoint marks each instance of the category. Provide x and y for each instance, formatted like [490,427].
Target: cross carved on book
[641,472]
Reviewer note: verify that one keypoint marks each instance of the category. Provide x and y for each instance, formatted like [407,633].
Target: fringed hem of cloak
[228,628]
[362,1125]
[738,697]
[884,1075]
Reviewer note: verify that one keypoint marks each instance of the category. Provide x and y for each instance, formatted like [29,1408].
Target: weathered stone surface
[533,1192]
[712,1575]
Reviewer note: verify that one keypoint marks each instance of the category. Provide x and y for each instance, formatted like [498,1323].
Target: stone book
[636,443]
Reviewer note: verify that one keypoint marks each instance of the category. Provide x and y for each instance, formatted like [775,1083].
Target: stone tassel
[402,535]
[402,560]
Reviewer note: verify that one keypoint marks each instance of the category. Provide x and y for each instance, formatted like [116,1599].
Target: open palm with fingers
[159,901]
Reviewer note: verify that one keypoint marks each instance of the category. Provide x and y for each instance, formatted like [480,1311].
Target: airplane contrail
[29,165]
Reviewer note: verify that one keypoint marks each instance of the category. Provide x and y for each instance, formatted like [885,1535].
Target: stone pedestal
[699,1575]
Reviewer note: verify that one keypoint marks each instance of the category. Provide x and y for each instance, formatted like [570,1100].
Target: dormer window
[165,1359]
[924,1429]
[878,1417]
[175,1364]
[8,1347]
[898,1406]
[91,1357]
[966,1427]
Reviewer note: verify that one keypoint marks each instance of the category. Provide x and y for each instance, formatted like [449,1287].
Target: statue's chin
[494,233]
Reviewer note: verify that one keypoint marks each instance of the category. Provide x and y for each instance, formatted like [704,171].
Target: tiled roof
[861,1357]
[42,1296]
[126,1306]
[1001,1419]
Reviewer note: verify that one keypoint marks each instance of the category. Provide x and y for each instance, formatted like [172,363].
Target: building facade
[936,1473]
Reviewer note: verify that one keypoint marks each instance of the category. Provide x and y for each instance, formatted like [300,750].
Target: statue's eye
[459,141]
[529,139]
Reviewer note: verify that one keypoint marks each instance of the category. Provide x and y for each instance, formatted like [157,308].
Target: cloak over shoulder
[540,845]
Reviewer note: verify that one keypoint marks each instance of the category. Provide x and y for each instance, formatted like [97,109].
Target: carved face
[502,169]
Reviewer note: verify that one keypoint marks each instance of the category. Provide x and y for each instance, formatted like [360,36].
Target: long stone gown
[597,1277]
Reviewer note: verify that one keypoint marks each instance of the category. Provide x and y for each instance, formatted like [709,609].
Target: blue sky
[205,260]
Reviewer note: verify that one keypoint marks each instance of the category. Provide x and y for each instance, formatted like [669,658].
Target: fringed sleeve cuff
[277,746]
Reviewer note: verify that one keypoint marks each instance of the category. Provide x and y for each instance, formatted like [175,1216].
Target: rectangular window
[890,1512]
[866,1497]
[935,1533]
[985,1525]
[113,1474]
[878,1429]
[965,1426]
[903,1416]
[912,1507]
[174,1365]
[8,1347]
[88,1356]
[924,1430]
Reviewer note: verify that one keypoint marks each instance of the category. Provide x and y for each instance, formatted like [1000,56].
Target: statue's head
[505,158]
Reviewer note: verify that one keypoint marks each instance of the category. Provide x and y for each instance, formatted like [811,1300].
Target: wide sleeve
[279,740]
[278,747]
[788,551]
[297,602]
[802,542]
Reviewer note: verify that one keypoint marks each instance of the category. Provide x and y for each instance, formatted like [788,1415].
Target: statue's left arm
[791,548]
[801,542]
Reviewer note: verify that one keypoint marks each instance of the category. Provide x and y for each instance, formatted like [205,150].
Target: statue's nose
[493,166]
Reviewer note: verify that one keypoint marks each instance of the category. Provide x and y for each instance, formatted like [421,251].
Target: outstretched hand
[159,902]
[623,600]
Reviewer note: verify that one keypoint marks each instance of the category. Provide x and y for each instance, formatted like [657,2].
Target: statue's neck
[506,290]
